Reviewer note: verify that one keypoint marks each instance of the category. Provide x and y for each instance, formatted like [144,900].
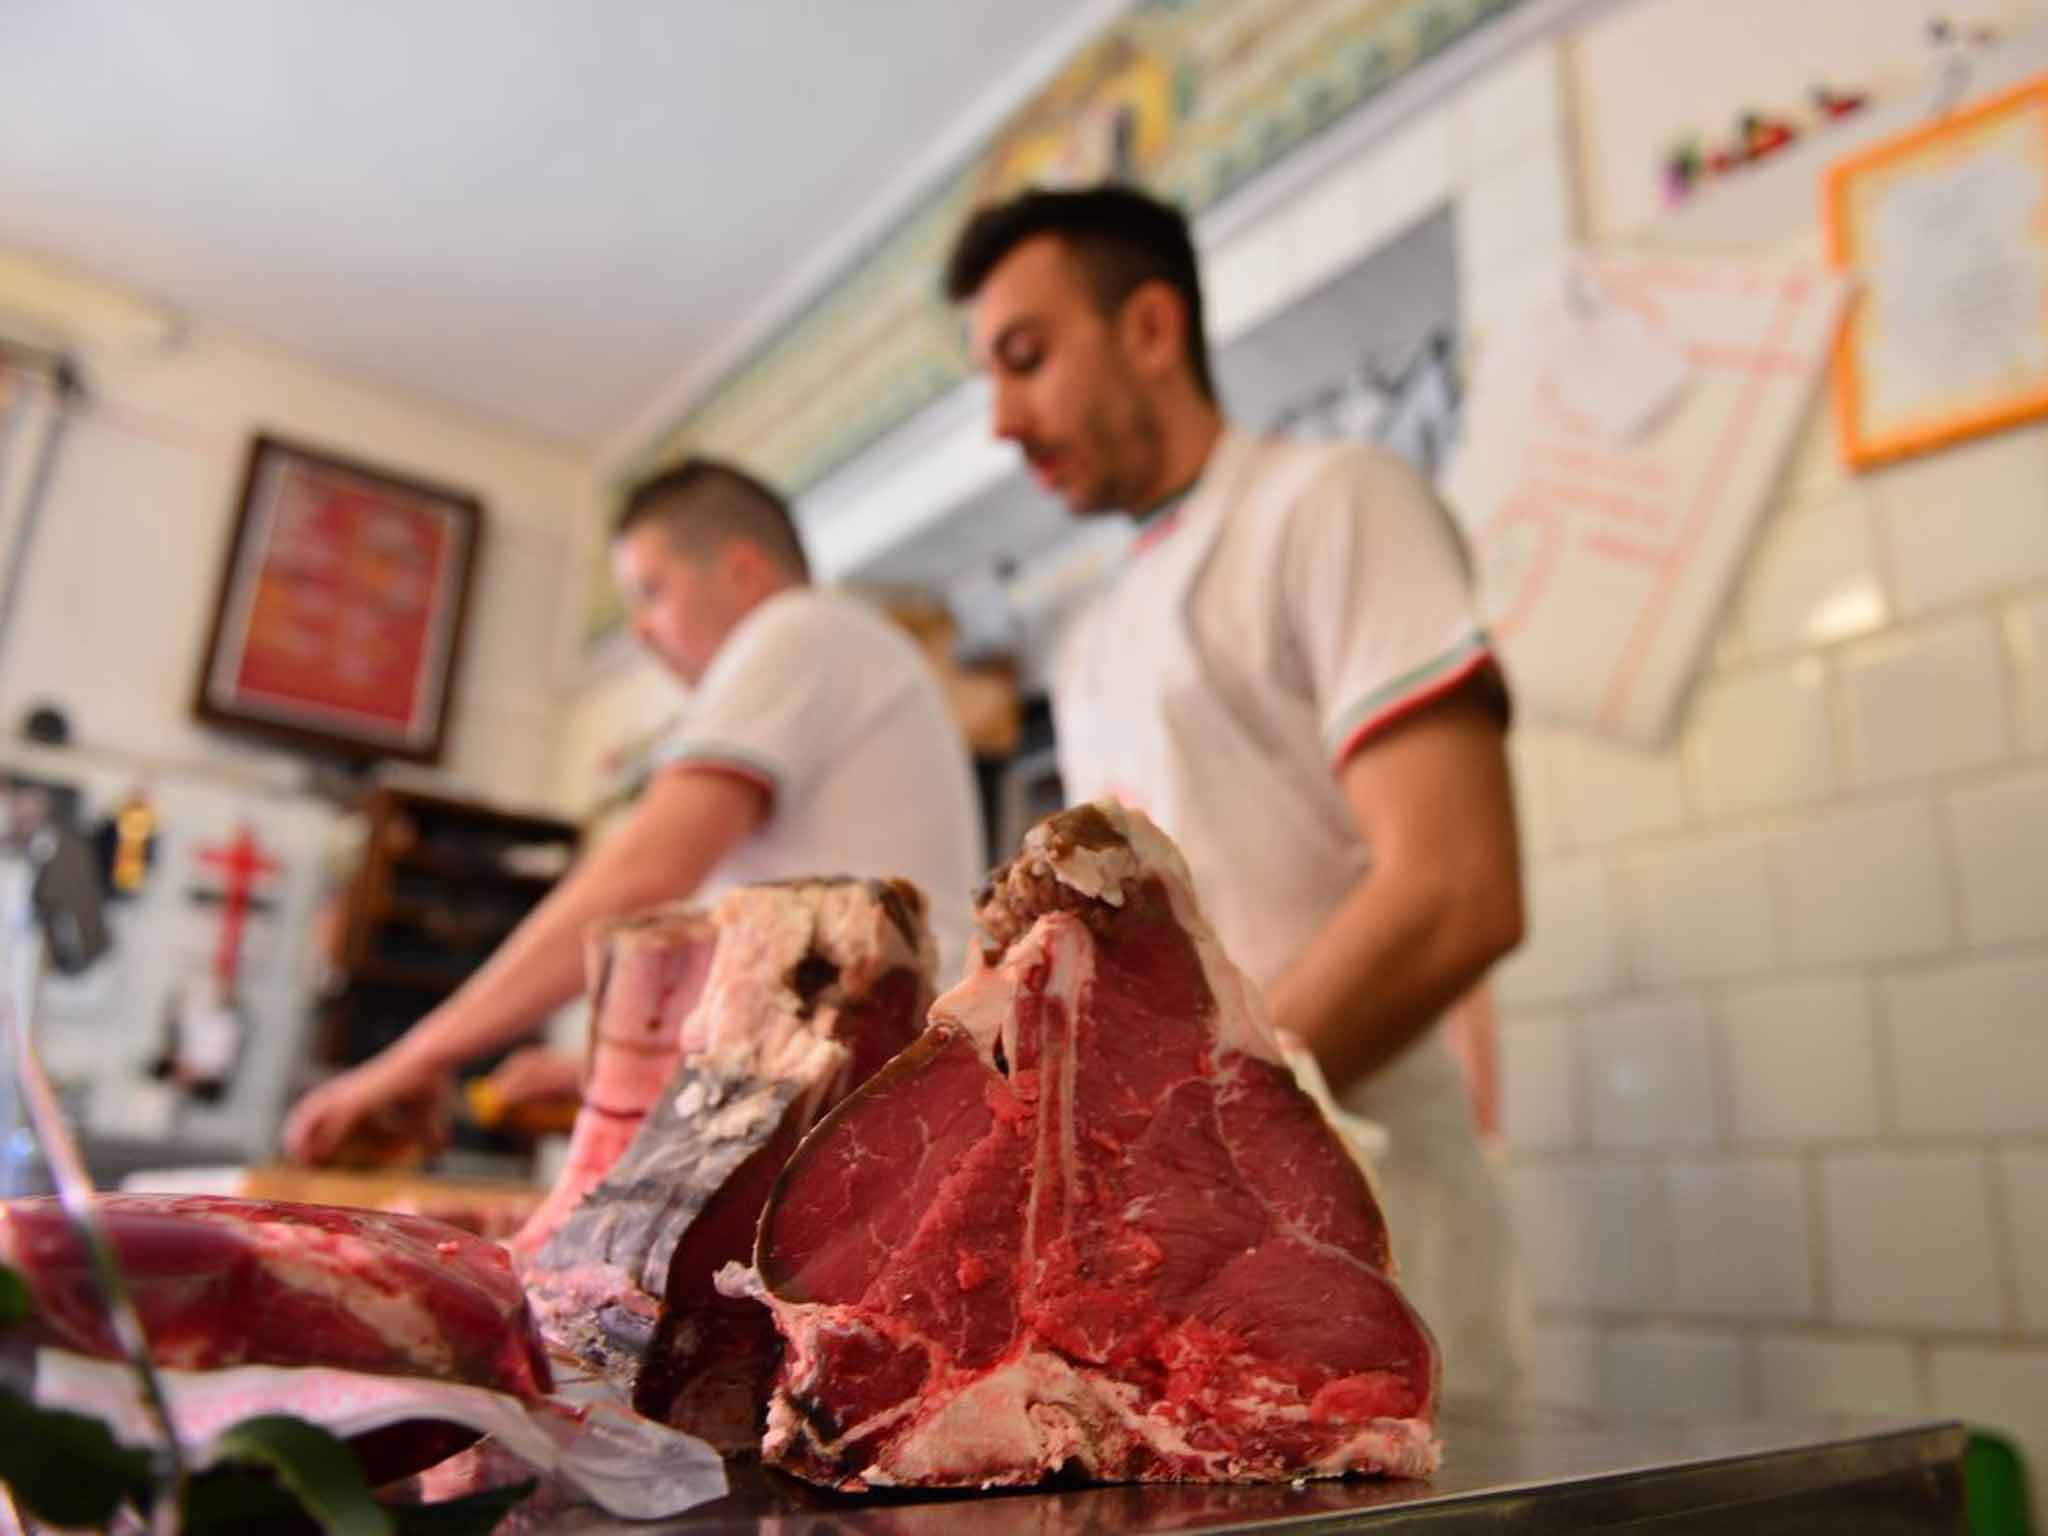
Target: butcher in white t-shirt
[816,741]
[1288,677]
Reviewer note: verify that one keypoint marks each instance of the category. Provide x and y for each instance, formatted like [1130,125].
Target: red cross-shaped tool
[241,864]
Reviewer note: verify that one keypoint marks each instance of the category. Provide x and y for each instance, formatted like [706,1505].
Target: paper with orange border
[2012,121]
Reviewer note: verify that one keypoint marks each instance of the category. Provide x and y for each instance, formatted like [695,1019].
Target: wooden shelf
[428,861]
[414,978]
[431,880]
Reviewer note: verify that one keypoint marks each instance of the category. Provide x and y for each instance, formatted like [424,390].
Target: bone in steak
[646,974]
[812,986]
[1088,1221]
[220,1282]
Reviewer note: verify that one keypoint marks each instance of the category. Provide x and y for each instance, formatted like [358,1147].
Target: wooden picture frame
[1947,338]
[339,619]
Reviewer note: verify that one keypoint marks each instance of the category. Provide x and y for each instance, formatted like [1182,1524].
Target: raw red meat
[1088,1221]
[813,985]
[221,1282]
[646,974]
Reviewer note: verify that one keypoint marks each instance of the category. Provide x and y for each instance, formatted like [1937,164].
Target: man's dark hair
[703,502]
[1122,238]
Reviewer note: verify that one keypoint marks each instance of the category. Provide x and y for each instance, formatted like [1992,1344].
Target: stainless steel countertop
[1518,1470]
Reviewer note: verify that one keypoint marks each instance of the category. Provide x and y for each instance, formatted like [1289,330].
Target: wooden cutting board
[490,1208]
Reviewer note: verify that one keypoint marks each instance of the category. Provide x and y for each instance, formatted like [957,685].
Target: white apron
[1198,688]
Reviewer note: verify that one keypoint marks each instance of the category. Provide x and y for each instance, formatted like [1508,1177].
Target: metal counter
[1520,1471]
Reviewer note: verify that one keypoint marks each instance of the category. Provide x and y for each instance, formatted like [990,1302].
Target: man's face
[1064,388]
[676,604]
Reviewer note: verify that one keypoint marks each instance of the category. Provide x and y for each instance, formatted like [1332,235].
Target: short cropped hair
[1122,237]
[703,502]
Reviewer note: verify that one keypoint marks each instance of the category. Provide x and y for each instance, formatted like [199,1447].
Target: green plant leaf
[225,1500]
[15,1305]
[66,1468]
[319,1470]
[475,1514]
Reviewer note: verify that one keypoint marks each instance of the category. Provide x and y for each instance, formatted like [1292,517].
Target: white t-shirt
[1300,599]
[833,711]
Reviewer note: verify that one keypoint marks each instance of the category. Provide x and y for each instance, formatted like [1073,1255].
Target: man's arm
[685,822]
[1441,903]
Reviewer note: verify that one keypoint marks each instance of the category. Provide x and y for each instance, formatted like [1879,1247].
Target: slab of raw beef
[813,985]
[646,974]
[219,1282]
[1088,1221]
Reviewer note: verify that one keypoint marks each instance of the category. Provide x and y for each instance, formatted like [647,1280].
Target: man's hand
[388,1084]
[682,826]
[536,1073]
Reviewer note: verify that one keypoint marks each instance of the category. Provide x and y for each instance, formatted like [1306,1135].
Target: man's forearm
[677,833]
[1394,955]
[535,972]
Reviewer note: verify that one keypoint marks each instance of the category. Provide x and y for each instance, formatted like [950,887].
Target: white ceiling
[547,210]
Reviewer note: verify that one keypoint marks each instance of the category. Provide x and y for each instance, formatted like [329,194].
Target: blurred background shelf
[442,881]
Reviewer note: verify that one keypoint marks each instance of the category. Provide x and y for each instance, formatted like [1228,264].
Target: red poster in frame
[339,619]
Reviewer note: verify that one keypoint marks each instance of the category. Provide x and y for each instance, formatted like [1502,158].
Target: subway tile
[1674,1373]
[1591,1235]
[1762,739]
[1514,106]
[1517,213]
[1698,910]
[1816,468]
[2000,1388]
[1538,1081]
[1804,1376]
[2023,1182]
[1970,520]
[1649,1071]
[1802,1063]
[1814,578]
[1538,815]
[1572,949]
[1561,1366]
[1909,1240]
[1731,645]
[1740,1238]
[1861,883]
[1969,1047]
[1613,792]
[2001,832]
[1924,701]
[2026,649]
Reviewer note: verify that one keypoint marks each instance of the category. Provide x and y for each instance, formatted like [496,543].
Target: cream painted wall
[1654,72]
[119,588]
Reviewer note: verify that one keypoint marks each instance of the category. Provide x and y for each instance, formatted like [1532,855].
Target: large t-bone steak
[813,985]
[1088,1221]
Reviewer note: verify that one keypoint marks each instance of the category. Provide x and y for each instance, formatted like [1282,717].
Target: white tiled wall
[1781,1029]
[1775,1058]
[1800,1375]
[1674,1373]
[1780,1033]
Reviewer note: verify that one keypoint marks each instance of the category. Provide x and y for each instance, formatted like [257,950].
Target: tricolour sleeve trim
[718,757]
[1401,697]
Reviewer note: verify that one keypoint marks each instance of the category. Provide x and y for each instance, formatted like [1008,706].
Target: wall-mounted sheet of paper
[1947,224]
[1607,534]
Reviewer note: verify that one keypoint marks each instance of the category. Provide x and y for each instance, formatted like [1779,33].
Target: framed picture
[338,624]
[1946,227]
